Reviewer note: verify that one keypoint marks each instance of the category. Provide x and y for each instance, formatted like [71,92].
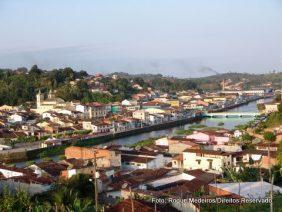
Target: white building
[207,160]
[14,118]
[93,110]
[138,160]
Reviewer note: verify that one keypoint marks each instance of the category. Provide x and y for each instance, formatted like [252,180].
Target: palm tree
[80,205]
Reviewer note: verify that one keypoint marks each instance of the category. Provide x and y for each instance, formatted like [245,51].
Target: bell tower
[39,99]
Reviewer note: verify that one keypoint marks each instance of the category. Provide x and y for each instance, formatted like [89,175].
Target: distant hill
[213,81]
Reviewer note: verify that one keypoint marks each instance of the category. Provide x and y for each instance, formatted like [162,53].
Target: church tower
[39,99]
[51,95]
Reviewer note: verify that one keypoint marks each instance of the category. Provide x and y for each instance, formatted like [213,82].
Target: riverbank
[19,156]
[117,138]
[229,107]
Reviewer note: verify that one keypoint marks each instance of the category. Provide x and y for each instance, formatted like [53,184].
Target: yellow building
[271,107]
[6,108]
[174,103]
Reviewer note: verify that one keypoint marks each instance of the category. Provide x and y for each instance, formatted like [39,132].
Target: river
[229,123]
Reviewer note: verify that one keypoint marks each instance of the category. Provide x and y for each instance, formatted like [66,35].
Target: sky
[182,38]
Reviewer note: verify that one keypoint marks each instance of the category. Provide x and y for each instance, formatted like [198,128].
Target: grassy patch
[146,142]
[185,132]
[275,119]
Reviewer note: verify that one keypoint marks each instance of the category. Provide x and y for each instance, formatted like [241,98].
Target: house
[132,160]
[104,157]
[9,172]
[102,128]
[141,115]
[252,190]
[237,134]
[257,158]
[205,136]
[190,181]
[207,160]
[129,102]
[48,169]
[49,127]
[271,107]
[265,146]
[7,108]
[134,179]
[181,145]
[155,105]
[6,135]
[162,141]
[116,108]
[177,162]
[97,126]
[30,184]
[93,110]
[23,179]
[51,142]
[17,118]
[173,102]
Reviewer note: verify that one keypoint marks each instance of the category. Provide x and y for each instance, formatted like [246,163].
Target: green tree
[247,137]
[269,136]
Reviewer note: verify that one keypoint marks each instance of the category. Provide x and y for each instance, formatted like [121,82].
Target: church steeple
[50,94]
[39,98]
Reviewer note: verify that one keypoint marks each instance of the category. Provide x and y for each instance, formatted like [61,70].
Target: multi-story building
[93,110]
[208,160]
[104,157]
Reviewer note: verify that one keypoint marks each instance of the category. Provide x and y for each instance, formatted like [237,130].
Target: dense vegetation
[20,86]
[75,194]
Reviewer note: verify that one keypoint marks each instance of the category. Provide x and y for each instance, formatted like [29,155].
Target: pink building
[209,137]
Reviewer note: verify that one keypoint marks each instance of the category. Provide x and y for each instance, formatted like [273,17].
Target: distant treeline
[21,85]
[209,83]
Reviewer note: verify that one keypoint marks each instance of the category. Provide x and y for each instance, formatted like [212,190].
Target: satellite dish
[124,185]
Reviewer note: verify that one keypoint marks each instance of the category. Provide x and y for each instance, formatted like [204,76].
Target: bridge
[231,114]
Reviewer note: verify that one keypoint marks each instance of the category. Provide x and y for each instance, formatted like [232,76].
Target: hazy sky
[174,37]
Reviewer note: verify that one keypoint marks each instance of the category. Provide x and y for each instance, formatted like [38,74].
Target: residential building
[104,157]
[141,115]
[207,160]
[93,110]
[132,159]
[271,107]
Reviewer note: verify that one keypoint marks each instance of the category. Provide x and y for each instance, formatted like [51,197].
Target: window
[210,164]
[198,161]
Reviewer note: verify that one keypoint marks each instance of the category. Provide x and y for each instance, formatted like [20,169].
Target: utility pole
[271,194]
[131,199]
[95,182]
